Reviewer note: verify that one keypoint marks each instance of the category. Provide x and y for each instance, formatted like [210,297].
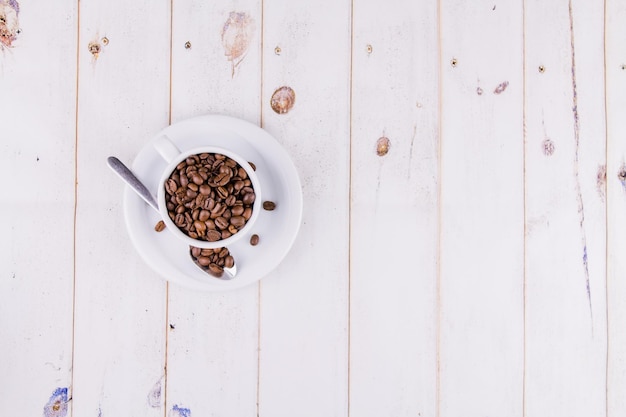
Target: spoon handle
[129,178]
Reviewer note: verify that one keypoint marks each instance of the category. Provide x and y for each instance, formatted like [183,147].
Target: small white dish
[277,229]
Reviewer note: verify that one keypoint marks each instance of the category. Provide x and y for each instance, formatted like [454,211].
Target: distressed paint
[9,22]
[547,146]
[155,397]
[237,33]
[601,181]
[579,195]
[501,87]
[382,146]
[283,100]
[178,411]
[621,176]
[57,403]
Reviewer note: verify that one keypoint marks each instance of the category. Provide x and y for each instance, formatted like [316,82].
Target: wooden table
[462,244]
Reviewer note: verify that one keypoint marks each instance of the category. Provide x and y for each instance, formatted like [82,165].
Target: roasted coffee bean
[204,260]
[200,227]
[269,205]
[222,192]
[216,270]
[247,213]
[237,210]
[254,239]
[160,226]
[230,200]
[204,215]
[213,235]
[205,189]
[226,234]
[221,223]
[252,165]
[171,186]
[229,261]
[237,221]
[248,198]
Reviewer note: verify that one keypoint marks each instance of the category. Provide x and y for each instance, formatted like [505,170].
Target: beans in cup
[209,196]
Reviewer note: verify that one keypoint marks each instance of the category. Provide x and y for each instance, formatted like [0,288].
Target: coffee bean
[171,186]
[269,205]
[213,235]
[204,260]
[197,178]
[237,210]
[216,270]
[252,165]
[238,221]
[248,199]
[204,215]
[200,227]
[205,189]
[160,226]
[221,223]
[254,239]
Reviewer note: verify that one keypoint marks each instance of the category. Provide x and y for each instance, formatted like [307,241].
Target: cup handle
[166,148]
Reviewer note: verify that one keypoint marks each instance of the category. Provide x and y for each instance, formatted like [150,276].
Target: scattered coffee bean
[252,165]
[254,239]
[212,261]
[269,205]
[160,226]
[209,196]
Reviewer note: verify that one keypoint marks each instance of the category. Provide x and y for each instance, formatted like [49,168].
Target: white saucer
[277,229]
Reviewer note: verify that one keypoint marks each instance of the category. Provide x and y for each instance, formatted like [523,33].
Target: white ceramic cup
[173,156]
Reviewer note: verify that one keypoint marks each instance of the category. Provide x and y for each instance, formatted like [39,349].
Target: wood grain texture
[120,303]
[304,302]
[482,210]
[212,357]
[37,137]
[394,210]
[615,32]
[565,260]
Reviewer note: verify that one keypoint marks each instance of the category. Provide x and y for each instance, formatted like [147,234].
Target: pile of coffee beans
[209,196]
[212,261]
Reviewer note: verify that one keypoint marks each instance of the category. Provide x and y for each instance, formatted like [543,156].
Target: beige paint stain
[382,146]
[236,36]
[283,100]
[96,47]
[9,23]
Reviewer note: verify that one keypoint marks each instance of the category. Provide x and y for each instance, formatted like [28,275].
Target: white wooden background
[476,269]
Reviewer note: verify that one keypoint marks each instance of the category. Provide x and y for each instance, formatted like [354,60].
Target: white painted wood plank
[212,356]
[37,119]
[482,210]
[565,256]
[304,302]
[616,204]
[120,303]
[394,231]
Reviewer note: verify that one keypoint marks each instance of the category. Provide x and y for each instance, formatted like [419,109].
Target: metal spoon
[136,185]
